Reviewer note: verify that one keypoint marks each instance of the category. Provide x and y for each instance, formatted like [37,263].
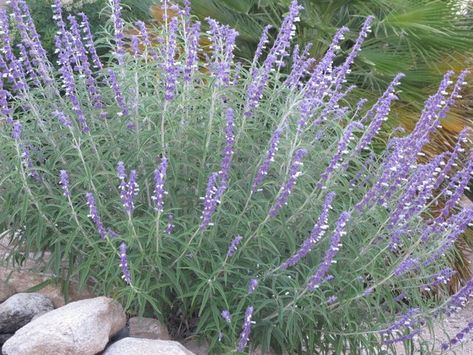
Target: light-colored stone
[139,346]
[148,328]
[20,309]
[79,328]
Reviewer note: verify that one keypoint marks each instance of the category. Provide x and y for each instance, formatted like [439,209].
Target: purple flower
[252,286]
[121,171]
[69,83]
[301,65]
[89,42]
[159,192]
[83,65]
[459,299]
[276,56]
[62,118]
[222,38]
[30,38]
[379,112]
[192,51]
[286,189]
[462,139]
[410,335]
[234,245]
[210,203]
[316,234]
[118,27]
[246,329]
[124,264]
[27,66]
[332,299]
[262,43]
[170,66]
[93,214]
[16,131]
[405,266]
[146,40]
[64,182]
[321,77]
[226,315]
[170,226]
[264,167]
[118,94]
[329,258]
[28,164]
[406,321]
[458,338]
[442,277]
[128,190]
[341,72]
[342,150]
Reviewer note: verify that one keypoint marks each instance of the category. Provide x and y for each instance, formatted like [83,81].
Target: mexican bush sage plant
[239,202]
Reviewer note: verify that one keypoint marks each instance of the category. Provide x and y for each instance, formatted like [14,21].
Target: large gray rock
[20,309]
[149,328]
[79,328]
[139,346]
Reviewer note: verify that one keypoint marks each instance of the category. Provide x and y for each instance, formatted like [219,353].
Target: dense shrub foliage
[232,201]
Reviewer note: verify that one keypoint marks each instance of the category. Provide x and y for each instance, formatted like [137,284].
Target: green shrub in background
[243,205]
[96,11]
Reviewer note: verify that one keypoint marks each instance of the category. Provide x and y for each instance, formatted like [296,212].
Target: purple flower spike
[276,56]
[159,192]
[89,42]
[128,192]
[442,277]
[246,329]
[124,264]
[318,231]
[16,131]
[64,182]
[93,214]
[262,43]
[227,317]
[170,66]
[341,72]
[192,52]
[146,39]
[342,150]
[405,266]
[170,226]
[63,119]
[210,203]
[459,337]
[234,245]
[118,27]
[264,168]
[252,286]
[222,38]
[118,93]
[121,172]
[332,299]
[406,321]
[329,258]
[286,189]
